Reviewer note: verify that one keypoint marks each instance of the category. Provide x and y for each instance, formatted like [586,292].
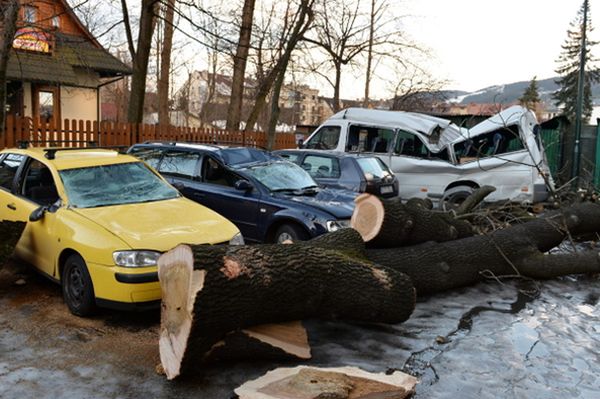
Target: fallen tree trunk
[10,233]
[209,291]
[390,223]
[516,250]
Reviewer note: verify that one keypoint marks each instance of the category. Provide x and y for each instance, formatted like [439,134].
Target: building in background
[56,67]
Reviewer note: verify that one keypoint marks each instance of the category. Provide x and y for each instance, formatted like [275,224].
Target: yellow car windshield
[105,185]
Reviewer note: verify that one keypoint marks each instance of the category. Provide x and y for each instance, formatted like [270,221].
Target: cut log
[516,250]
[281,341]
[210,291]
[10,233]
[390,223]
[335,383]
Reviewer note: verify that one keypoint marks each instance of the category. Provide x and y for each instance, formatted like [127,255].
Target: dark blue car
[269,199]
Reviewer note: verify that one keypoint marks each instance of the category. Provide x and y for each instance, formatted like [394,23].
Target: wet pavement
[513,339]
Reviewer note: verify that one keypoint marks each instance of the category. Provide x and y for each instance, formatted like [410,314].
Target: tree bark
[209,291]
[514,251]
[165,64]
[234,110]
[390,223]
[10,233]
[135,111]
[10,12]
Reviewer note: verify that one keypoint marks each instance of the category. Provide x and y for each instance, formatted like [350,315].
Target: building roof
[69,53]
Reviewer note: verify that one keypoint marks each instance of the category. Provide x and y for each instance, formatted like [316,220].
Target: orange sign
[32,39]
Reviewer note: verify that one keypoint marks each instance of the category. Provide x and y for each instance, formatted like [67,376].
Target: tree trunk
[10,12]
[135,112]
[165,64]
[390,223]
[239,67]
[10,233]
[336,87]
[209,291]
[514,251]
[369,55]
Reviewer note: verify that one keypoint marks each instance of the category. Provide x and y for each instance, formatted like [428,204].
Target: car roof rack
[214,143]
[50,153]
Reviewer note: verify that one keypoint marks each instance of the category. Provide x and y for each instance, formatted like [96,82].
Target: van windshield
[326,138]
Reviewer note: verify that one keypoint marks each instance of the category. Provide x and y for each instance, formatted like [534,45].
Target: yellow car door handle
[12,206]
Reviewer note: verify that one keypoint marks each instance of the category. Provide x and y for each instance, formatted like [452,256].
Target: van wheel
[77,287]
[455,196]
[291,232]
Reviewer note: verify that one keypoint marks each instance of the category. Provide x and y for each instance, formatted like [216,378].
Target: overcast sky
[480,43]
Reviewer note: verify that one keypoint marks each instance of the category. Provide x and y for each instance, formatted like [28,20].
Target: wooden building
[56,67]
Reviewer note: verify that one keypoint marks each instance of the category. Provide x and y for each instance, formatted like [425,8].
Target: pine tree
[531,97]
[568,69]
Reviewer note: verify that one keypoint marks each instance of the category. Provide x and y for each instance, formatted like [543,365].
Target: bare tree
[10,10]
[344,33]
[239,67]
[297,22]
[414,89]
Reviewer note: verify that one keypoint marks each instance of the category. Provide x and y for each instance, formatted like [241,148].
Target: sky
[480,43]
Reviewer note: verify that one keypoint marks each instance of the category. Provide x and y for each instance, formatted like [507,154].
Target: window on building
[56,21]
[30,14]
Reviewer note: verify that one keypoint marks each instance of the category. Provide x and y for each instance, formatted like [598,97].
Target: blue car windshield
[279,176]
[115,184]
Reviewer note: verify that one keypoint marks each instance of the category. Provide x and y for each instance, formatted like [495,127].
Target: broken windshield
[115,184]
[281,176]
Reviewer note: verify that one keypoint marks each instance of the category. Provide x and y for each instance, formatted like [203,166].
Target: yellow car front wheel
[77,287]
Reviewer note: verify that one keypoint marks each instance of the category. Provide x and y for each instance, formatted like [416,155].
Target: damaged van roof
[429,125]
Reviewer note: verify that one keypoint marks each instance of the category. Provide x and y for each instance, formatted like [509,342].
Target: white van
[436,159]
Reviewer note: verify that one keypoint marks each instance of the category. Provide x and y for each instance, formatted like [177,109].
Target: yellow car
[98,221]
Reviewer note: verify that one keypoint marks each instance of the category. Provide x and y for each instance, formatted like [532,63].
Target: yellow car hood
[162,225]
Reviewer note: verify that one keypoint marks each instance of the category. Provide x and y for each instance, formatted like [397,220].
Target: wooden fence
[79,133]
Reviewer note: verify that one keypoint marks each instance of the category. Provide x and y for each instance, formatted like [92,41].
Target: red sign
[32,39]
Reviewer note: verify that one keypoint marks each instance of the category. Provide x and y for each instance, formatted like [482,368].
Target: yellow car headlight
[136,258]
[237,240]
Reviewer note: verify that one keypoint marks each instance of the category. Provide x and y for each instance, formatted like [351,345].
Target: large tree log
[390,223]
[209,291]
[10,233]
[516,250]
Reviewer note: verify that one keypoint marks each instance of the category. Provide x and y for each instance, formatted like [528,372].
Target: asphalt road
[494,340]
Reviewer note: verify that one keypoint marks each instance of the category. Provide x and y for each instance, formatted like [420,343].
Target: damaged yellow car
[98,221]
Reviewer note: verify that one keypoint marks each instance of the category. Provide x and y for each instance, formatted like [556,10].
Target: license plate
[386,189]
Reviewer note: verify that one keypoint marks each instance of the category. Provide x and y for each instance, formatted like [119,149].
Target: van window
[497,142]
[325,138]
[410,145]
[369,139]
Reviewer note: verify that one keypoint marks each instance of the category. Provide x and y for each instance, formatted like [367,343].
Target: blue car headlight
[136,258]
[334,225]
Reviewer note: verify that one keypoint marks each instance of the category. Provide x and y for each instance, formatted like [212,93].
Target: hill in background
[511,92]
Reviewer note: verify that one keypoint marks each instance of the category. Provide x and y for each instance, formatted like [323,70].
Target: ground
[493,340]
